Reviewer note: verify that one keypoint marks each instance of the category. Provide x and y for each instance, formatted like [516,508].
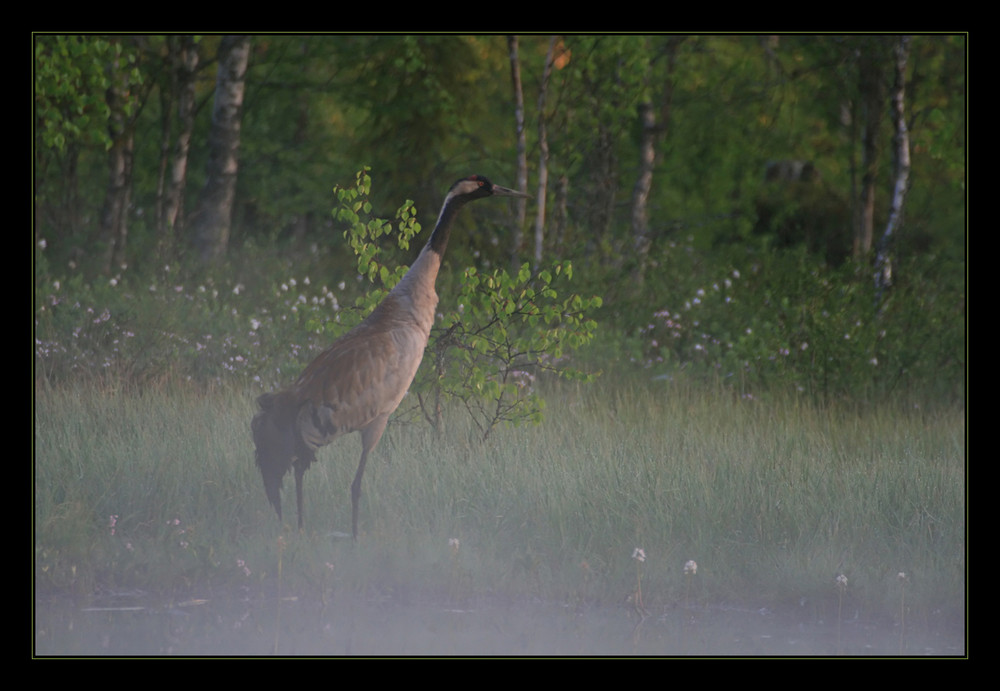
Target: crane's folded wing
[362,376]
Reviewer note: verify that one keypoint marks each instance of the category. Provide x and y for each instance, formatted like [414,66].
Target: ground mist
[773,499]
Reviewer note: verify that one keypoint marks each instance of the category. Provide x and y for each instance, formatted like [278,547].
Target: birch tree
[122,97]
[182,64]
[520,205]
[543,152]
[883,253]
[213,219]
[651,133]
[871,77]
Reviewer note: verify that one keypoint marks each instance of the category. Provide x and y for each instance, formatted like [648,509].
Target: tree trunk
[522,153]
[640,191]
[183,57]
[543,153]
[211,223]
[883,254]
[560,216]
[121,131]
[650,135]
[870,76]
[114,215]
[600,199]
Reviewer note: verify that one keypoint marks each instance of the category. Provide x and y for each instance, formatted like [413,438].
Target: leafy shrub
[504,333]
[781,319]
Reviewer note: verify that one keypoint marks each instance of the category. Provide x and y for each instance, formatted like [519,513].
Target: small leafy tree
[504,332]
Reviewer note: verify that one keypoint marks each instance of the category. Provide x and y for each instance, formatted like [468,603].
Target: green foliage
[783,320]
[428,108]
[363,237]
[255,324]
[128,332]
[420,109]
[504,332]
[88,91]
[423,107]
[806,214]
[71,76]
[292,136]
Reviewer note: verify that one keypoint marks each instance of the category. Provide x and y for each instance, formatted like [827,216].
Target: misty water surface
[129,625]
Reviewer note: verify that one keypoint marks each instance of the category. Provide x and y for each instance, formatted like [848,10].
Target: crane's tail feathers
[274,438]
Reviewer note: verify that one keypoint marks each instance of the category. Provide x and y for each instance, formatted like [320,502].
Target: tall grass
[157,490]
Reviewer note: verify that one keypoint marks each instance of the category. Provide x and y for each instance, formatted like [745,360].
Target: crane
[356,383]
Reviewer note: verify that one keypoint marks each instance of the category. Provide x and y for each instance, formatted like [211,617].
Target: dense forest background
[765,211]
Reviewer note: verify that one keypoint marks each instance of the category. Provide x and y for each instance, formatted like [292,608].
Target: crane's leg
[300,471]
[304,457]
[356,493]
[369,439]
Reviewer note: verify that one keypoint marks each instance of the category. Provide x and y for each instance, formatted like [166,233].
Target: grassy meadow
[156,490]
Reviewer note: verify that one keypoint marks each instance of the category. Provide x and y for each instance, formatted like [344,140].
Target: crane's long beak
[506,192]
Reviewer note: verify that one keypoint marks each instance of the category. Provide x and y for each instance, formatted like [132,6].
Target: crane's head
[477,187]
[460,194]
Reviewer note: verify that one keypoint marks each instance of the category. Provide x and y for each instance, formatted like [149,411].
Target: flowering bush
[783,319]
[139,330]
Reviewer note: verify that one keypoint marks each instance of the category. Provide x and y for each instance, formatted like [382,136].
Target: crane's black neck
[439,238]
